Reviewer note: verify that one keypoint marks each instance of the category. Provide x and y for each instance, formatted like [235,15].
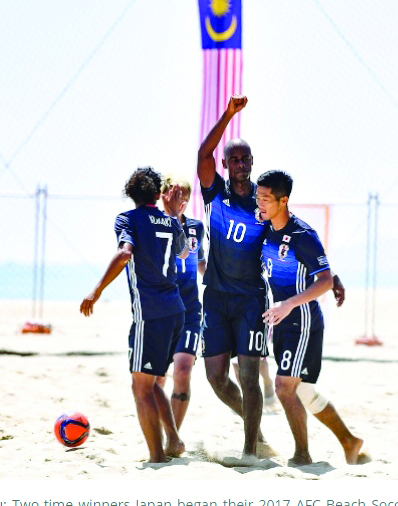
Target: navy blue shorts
[298,353]
[152,343]
[233,323]
[190,336]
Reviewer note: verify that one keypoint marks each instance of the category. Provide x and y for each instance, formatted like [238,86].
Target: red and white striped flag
[221,26]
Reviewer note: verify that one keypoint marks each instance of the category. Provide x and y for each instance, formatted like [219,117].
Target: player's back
[151,272]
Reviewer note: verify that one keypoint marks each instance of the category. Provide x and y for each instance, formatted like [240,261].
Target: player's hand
[236,103]
[173,201]
[87,306]
[277,312]
[338,290]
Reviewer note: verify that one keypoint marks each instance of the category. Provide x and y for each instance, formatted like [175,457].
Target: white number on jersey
[169,237]
[269,268]
[239,232]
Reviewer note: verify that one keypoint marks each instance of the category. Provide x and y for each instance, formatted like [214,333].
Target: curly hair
[143,185]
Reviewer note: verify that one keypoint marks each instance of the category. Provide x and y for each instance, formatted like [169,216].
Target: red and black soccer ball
[72,429]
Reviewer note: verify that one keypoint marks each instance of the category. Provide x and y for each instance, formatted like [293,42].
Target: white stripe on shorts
[138,346]
[137,309]
[305,324]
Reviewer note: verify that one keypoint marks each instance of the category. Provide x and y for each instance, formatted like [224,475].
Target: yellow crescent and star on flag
[221,23]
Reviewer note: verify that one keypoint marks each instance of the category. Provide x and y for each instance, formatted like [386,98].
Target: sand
[82,366]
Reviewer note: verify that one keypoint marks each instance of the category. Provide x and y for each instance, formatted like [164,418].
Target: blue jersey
[187,269]
[151,271]
[235,239]
[290,258]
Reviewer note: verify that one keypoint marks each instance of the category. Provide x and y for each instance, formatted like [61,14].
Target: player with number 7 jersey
[152,277]
[148,242]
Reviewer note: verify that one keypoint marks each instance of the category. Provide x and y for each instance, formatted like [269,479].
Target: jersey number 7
[169,237]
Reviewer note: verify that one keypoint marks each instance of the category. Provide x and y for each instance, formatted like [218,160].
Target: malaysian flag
[221,27]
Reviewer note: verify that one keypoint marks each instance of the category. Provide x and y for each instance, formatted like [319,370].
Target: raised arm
[206,161]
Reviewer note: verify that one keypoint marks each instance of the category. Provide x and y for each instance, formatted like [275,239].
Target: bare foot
[174,448]
[158,459]
[299,460]
[353,453]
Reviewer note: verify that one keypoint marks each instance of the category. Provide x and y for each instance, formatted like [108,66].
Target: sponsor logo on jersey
[226,202]
[193,243]
[160,220]
[322,260]
[286,238]
[304,371]
[283,249]
[192,231]
[148,365]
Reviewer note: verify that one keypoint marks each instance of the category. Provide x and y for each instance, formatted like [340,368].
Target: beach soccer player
[187,269]
[148,242]
[297,272]
[234,296]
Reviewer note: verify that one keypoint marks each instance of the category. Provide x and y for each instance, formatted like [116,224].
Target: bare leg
[148,414]
[183,363]
[264,450]
[296,415]
[217,372]
[161,381]
[252,401]
[236,371]
[174,445]
[268,383]
[351,444]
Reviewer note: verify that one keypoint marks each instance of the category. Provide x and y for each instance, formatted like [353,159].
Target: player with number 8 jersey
[297,272]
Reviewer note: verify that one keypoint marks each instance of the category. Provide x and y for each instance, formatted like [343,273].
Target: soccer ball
[72,429]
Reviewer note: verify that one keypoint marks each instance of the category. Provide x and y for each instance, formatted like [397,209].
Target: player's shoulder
[300,226]
[219,183]
[302,230]
[193,223]
[124,217]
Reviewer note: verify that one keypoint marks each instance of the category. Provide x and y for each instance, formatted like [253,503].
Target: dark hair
[280,183]
[143,185]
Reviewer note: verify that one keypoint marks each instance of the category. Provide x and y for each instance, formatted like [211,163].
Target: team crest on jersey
[193,243]
[283,249]
[286,238]
[192,231]
[257,215]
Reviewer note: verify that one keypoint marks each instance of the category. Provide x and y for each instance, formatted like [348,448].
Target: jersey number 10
[239,232]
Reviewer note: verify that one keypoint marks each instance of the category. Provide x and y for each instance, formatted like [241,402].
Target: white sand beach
[82,366]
